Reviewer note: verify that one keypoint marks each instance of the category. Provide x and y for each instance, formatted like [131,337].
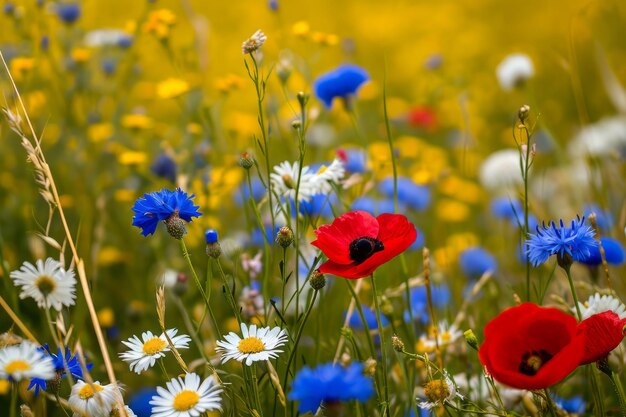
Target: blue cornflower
[418,301]
[258,192]
[370,318]
[613,251]
[575,404]
[139,402]
[573,242]
[507,208]
[318,205]
[330,383]
[211,236]
[8,8]
[475,261]
[413,195]
[164,166]
[342,82]
[57,360]
[367,204]
[354,159]
[165,205]
[68,12]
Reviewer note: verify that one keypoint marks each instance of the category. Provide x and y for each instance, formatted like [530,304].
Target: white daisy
[479,390]
[501,169]
[439,391]
[254,42]
[597,304]
[514,70]
[25,361]
[256,344]
[445,335]
[605,137]
[47,283]
[285,179]
[187,398]
[93,400]
[327,175]
[144,353]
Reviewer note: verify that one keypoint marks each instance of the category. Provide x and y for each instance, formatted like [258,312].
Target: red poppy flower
[357,243]
[531,347]
[422,117]
[603,332]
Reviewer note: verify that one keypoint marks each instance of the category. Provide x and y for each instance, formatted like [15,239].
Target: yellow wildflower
[301,28]
[106,316]
[80,55]
[137,121]
[132,158]
[99,132]
[172,87]
[20,67]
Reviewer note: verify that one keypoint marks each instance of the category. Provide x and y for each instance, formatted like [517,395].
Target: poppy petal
[334,239]
[604,332]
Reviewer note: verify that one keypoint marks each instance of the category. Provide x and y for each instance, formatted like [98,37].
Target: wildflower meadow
[283,208]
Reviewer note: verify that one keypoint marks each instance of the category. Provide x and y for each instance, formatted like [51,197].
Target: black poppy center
[533,360]
[364,247]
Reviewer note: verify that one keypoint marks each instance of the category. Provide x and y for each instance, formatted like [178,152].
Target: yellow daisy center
[251,345]
[185,400]
[16,366]
[88,391]
[46,284]
[154,345]
[289,181]
[322,169]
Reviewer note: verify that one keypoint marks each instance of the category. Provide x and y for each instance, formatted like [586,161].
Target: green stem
[14,389]
[383,351]
[229,296]
[619,389]
[571,286]
[205,298]
[595,386]
[255,389]
[292,354]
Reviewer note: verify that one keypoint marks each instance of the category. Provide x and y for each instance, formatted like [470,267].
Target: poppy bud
[471,339]
[246,161]
[317,281]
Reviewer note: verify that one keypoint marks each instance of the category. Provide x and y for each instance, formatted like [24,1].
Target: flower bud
[246,161]
[296,124]
[303,98]
[397,343]
[175,226]
[317,281]
[284,237]
[345,359]
[369,367]
[523,113]
[471,339]
[213,248]
[346,332]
